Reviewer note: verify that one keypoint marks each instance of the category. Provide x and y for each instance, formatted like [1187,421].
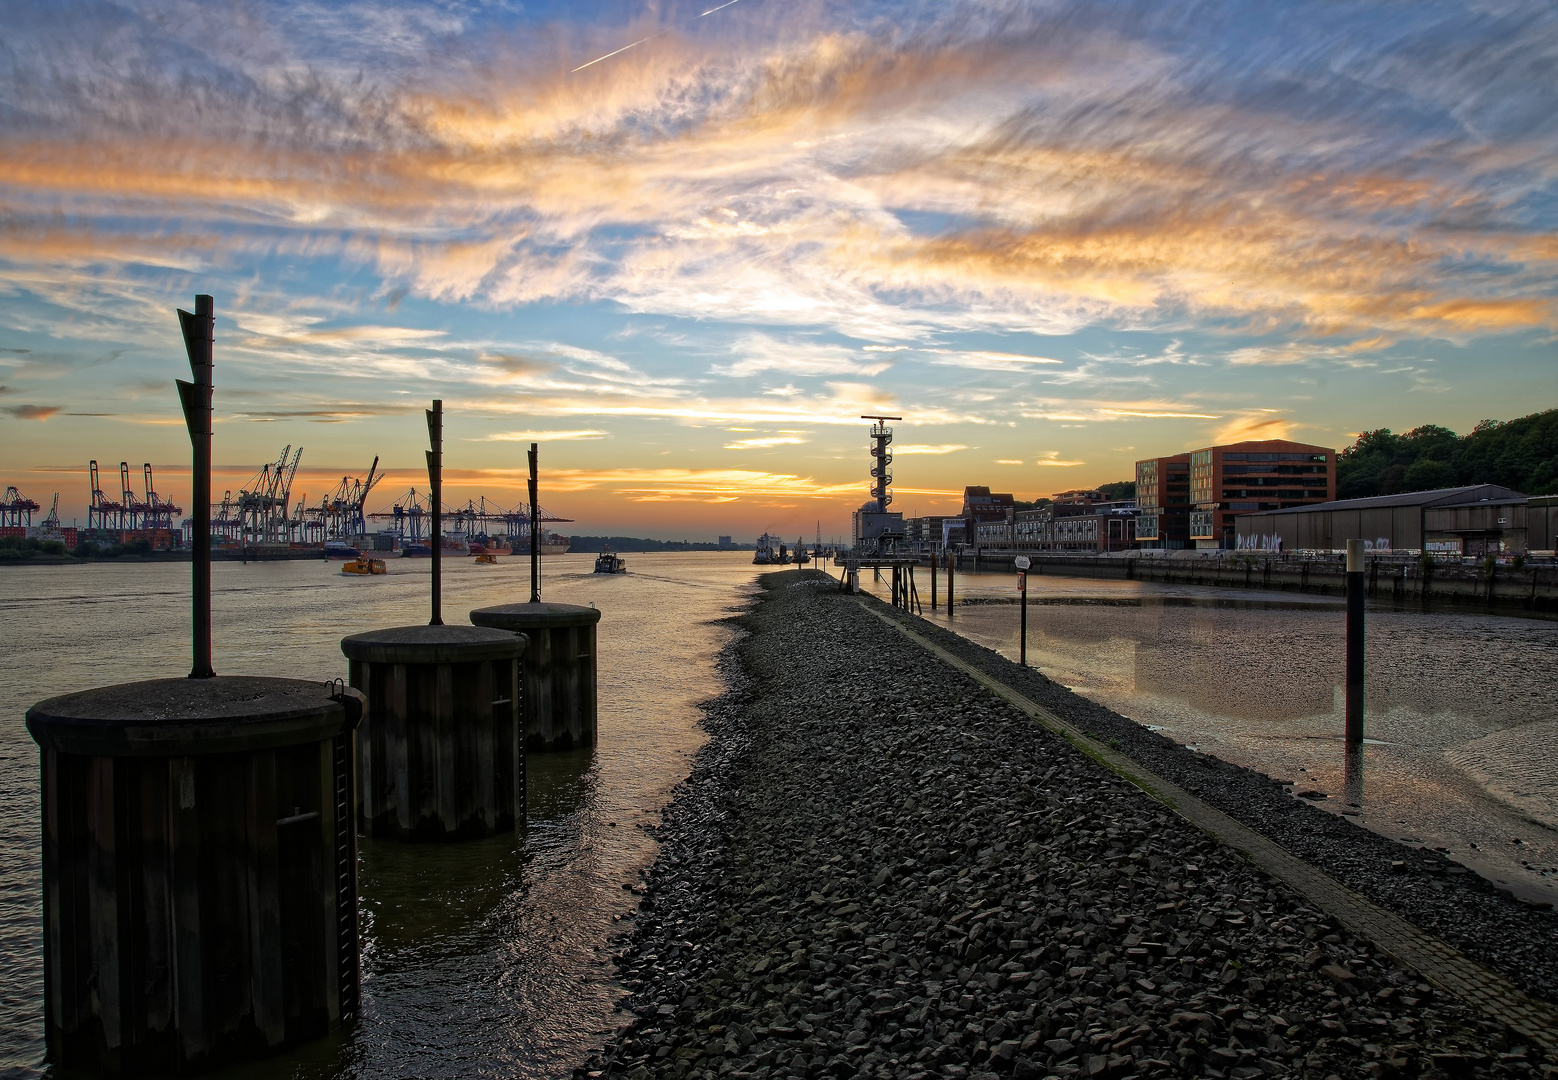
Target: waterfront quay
[1531,584]
[900,855]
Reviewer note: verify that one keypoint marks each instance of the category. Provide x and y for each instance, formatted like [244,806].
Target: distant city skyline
[685,247]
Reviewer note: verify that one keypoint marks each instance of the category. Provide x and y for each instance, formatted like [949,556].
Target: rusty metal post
[435,477]
[1356,585]
[199,331]
[535,528]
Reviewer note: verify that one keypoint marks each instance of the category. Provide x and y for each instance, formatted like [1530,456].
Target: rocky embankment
[1425,886]
[879,869]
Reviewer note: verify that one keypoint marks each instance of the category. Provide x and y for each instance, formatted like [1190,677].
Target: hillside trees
[1521,454]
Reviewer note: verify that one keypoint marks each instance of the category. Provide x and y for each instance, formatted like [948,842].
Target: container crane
[102,512]
[16,508]
[159,512]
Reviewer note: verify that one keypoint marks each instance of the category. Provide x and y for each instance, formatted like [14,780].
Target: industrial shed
[1470,520]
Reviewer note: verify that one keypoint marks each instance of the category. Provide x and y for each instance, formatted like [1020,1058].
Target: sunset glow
[685,247]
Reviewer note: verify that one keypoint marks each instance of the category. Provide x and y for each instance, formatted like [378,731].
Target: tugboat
[608,563]
[765,551]
[364,567]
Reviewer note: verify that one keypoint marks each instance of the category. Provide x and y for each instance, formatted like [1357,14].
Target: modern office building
[1229,481]
[1163,497]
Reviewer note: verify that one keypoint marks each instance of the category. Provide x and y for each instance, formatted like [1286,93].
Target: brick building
[1229,481]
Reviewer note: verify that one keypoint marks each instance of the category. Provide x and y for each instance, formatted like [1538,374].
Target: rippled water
[480,959]
[1461,721]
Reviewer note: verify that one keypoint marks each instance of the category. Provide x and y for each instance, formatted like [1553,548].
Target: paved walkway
[1439,963]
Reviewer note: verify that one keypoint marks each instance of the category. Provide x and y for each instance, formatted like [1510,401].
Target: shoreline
[860,806]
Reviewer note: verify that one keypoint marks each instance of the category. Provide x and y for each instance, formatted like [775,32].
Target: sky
[685,247]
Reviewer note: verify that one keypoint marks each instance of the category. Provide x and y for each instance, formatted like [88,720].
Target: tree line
[1521,454]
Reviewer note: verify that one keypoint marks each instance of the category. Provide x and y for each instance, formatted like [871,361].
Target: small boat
[608,563]
[364,567]
[486,557]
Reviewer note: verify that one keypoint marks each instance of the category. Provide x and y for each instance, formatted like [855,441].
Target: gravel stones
[878,869]
[1425,887]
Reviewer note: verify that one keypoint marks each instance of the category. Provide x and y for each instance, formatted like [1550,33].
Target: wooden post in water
[933,581]
[1356,586]
[435,477]
[951,573]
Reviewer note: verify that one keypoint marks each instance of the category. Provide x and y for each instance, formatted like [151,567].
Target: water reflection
[484,958]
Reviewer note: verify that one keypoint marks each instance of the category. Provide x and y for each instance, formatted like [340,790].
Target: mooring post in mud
[933,581]
[1356,585]
[951,571]
[1022,562]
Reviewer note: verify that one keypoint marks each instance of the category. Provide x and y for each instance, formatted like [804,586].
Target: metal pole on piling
[1356,586]
[435,477]
[535,529]
[199,333]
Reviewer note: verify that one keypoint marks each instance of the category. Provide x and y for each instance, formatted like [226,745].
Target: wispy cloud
[927,448]
[1052,457]
[33,412]
[570,435]
[764,442]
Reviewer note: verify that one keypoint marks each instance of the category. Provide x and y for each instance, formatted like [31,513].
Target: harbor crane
[17,509]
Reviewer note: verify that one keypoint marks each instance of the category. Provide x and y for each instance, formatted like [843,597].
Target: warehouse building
[1478,520]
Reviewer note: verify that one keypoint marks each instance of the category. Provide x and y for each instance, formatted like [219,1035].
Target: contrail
[625,48]
[651,37]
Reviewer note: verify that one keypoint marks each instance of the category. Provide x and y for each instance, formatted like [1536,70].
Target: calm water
[480,959]
[1461,725]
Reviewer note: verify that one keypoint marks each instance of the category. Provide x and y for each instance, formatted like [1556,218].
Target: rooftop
[1456,496]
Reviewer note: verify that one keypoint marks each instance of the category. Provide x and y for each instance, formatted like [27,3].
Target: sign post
[1023,563]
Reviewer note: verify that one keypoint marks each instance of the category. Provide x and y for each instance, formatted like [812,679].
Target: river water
[493,957]
[483,958]
[1461,718]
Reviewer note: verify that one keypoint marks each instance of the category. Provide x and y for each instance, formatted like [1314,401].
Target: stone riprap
[1424,886]
[877,868]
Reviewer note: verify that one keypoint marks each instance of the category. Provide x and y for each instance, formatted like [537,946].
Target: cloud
[927,448]
[544,436]
[988,361]
[1052,457]
[1253,426]
[1148,175]
[763,442]
[762,352]
[1008,461]
[33,412]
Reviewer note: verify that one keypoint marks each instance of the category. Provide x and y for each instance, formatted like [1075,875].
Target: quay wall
[1532,587]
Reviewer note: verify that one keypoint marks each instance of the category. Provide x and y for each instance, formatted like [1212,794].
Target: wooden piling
[560,670]
[199,871]
[439,754]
